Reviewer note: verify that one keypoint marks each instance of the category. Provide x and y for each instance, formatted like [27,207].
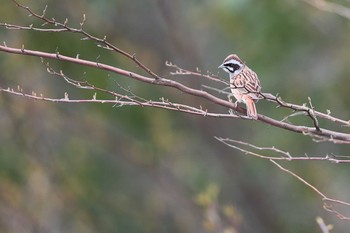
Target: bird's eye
[232,66]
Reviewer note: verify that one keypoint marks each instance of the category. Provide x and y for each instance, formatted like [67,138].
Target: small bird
[244,83]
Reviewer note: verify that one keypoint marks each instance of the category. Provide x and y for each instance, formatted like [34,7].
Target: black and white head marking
[232,65]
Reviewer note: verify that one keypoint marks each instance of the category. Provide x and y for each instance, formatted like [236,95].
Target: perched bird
[244,83]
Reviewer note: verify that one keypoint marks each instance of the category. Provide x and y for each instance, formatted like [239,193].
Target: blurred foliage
[217,219]
[99,168]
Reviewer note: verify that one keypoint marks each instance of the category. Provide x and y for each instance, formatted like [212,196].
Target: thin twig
[284,155]
[101,41]
[312,187]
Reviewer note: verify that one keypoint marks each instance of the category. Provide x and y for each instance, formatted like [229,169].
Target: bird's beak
[221,66]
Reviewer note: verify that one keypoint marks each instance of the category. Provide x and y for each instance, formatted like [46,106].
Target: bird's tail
[251,109]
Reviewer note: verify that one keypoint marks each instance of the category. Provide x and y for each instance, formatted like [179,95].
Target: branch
[284,155]
[303,109]
[179,71]
[163,104]
[327,206]
[325,134]
[64,27]
[315,132]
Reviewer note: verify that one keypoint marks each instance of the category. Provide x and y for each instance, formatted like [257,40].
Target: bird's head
[232,65]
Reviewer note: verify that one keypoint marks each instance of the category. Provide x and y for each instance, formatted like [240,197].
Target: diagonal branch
[105,44]
[303,109]
[316,132]
[122,101]
[334,136]
[287,157]
[325,198]
[283,155]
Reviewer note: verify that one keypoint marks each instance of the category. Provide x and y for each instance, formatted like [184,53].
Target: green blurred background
[99,168]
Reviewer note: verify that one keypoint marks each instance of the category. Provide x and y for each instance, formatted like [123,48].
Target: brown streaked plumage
[245,84]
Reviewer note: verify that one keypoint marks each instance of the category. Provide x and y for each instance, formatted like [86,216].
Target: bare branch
[325,134]
[281,155]
[303,109]
[181,71]
[316,132]
[306,110]
[129,98]
[327,207]
[287,157]
[331,209]
[123,101]
[65,27]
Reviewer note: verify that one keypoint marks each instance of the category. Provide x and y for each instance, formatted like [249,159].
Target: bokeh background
[99,168]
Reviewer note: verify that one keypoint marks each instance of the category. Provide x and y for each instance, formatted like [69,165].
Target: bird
[244,83]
